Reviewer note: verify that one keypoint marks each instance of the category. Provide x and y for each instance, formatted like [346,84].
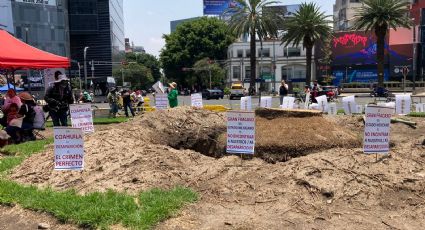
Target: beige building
[344,11]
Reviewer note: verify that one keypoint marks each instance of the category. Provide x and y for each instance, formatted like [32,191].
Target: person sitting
[21,130]
[12,113]
[10,99]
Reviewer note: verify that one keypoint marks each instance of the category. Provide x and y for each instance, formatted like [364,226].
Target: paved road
[185,100]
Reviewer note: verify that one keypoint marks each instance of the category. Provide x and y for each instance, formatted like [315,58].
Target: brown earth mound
[333,189]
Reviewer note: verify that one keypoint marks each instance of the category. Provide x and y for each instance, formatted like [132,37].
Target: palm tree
[379,16]
[308,25]
[249,18]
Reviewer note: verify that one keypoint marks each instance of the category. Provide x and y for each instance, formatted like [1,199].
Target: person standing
[126,99]
[113,102]
[58,98]
[315,88]
[283,91]
[172,95]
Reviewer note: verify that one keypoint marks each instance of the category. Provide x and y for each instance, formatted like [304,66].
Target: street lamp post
[79,76]
[85,67]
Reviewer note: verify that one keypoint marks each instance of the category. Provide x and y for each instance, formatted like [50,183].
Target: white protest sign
[246,103]
[377,130]
[332,110]
[402,104]
[69,148]
[240,132]
[307,100]
[82,117]
[196,100]
[420,108]
[158,87]
[161,101]
[266,102]
[359,108]
[288,103]
[349,104]
[322,101]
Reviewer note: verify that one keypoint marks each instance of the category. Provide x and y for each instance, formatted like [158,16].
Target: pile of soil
[337,188]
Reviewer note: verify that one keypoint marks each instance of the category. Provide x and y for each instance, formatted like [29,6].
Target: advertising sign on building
[288,103]
[161,101]
[402,104]
[349,104]
[246,103]
[322,101]
[39,2]
[240,132]
[196,100]
[266,102]
[377,130]
[69,148]
[82,117]
[218,7]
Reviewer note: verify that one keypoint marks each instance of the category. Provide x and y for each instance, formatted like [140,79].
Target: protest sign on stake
[332,110]
[196,100]
[161,101]
[359,108]
[266,102]
[322,101]
[240,132]
[420,108]
[158,87]
[377,130]
[82,117]
[402,104]
[69,148]
[246,103]
[349,104]
[288,103]
[307,100]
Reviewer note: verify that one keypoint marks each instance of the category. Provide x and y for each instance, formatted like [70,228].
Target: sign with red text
[196,100]
[82,117]
[377,130]
[69,148]
[161,101]
[240,132]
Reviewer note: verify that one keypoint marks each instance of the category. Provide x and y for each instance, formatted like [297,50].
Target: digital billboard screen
[218,7]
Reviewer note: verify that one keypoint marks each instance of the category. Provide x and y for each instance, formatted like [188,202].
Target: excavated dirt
[337,188]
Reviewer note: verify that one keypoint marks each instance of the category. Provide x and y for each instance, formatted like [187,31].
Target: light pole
[85,67]
[79,76]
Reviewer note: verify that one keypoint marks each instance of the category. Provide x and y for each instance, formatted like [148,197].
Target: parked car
[212,94]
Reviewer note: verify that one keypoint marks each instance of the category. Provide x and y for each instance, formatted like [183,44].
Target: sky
[147,20]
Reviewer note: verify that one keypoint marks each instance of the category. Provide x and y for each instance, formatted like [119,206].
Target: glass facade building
[99,25]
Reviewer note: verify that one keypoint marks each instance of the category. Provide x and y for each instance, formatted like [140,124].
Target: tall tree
[192,41]
[206,70]
[379,16]
[249,18]
[308,25]
[137,74]
[147,60]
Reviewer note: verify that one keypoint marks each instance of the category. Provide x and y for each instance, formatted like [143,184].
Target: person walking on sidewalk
[172,96]
[127,103]
[283,91]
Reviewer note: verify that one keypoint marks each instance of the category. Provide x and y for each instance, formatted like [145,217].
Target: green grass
[98,121]
[416,114]
[94,210]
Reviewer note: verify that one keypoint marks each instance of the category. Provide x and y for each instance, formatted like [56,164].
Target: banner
[349,104]
[39,2]
[377,130]
[332,110]
[288,103]
[322,101]
[82,117]
[158,87]
[402,104]
[246,103]
[69,148]
[161,101]
[218,7]
[266,102]
[196,99]
[240,132]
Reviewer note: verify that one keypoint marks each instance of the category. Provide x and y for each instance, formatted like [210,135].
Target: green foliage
[308,25]
[378,16]
[417,114]
[99,121]
[296,90]
[193,41]
[226,91]
[139,75]
[147,60]
[251,19]
[202,70]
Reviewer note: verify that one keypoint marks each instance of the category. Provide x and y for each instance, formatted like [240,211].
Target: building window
[236,72]
[247,72]
[286,73]
[247,53]
[292,51]
[239,53]
[264,53]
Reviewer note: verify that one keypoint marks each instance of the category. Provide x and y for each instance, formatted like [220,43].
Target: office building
[344,11]
[99,25]
[276,63]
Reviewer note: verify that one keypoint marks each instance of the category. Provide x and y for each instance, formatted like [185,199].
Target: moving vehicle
[237,91]
[379,92]
[212,94]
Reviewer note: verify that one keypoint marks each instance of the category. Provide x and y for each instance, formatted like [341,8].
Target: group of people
[313,90]
[124,99]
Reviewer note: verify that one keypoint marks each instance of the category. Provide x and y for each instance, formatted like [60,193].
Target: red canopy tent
[15,54]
